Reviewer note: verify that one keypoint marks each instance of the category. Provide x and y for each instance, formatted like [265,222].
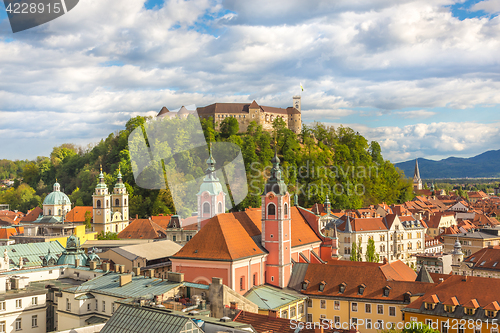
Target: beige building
[471,241]
[246,113]
[153,255]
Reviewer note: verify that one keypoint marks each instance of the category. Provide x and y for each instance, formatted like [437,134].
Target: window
[301,308]
[292,312]
[354,321]
[34,321]
[286,209]
[309,303]
[477,329]
[271,209]
[2,326]
[368,324]
[206,208]
[284,314]
[428,322]
[336,305]
[34,300]
[461,328]
[322,286]
[272,278]
[494,330]
[255,279]
[322,316]
[444,327]
[392,311]
[323,304]
[96,305]
[68,305]
[220,207]
[174,238]
[18,324]
[242,283]
[98,204]
[117,202]
[336,319]
[2,307]
[380,309]
[309,318]
[368,308]
[88,306]
[19,303]
[354,307]
[103,306]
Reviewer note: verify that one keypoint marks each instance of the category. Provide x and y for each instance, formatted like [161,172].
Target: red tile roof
[267,324]
[489,255]
[364,224]
[142,229]
[465,289]
[32,215]
[77,214]
[161,220]
[355,275]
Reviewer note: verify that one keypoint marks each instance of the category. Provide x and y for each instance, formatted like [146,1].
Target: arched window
[124,202]
[220,207]
[117,202]
[60,212]
[98,203]
[206,208]
[286,209]
[50,211]
[271,209]
[107,203]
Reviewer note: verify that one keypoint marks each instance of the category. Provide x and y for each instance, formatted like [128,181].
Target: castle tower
[101,205]
[457,255]
[276,227]
[297,102]
[417,182]
[119,204]
[211,197]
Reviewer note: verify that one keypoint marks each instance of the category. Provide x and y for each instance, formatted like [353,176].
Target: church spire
[275,183]
[416,174]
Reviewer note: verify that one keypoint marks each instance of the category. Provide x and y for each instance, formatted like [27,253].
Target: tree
[229,126]
[371,254]
[88,218]
[356,252]
[107,236]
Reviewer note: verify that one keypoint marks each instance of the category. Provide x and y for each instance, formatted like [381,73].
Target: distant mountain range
[486,164]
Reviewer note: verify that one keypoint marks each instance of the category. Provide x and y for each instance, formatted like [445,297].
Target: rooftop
[269,298]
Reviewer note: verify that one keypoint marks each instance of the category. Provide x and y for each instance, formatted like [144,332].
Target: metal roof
[299,271]
[140,286]
[135,319]
[196,285]
[268,298]
[32,253]
[156,250]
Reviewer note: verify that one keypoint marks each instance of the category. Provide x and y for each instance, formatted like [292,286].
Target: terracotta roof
[364,224]
[233,233]
[222,238]
[452,301]
[465,289]
[254,105]
[163,111]
[487,258]
[161,220]
[6,232]
[492,306]
[32,215]
[354,275]
[143,229]
[192,226]
[398,271]
[471,304]
[77,214]
[267,324]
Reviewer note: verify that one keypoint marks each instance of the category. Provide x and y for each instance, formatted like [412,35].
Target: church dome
[57,197]
[73,251]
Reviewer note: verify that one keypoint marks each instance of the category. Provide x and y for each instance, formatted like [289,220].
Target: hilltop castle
[245,113]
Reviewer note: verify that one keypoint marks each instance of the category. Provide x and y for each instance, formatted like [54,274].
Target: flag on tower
[301,88]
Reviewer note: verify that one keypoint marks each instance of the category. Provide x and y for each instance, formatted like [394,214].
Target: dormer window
[342,287]
[387,289]
[470,311]
[429,306]
[407,297]
[361,289]
[322,286]
[305,284]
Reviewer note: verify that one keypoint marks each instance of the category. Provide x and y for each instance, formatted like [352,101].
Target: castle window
[286,209]
[206,208]
[117,202]
[271,209]
[98,203]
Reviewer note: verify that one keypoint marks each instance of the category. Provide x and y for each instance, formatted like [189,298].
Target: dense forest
[321,160]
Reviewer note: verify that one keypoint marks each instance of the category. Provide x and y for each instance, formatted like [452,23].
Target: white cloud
[489,6]
[101,63]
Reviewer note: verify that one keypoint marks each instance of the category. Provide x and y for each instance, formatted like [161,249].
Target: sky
[421,77]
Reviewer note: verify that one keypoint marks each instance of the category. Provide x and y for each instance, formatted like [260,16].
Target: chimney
[273,314]
[93,265]
[117,268]
[124,279]
[216,280]
[137,271]
[105,266]
[151,273]
[464,278]
[176,277]
[77,263]
[122,269]
[234,305]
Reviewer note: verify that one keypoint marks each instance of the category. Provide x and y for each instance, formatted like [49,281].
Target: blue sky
[419,76]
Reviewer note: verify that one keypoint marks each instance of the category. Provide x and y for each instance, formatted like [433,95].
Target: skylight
[483,263]
[496,262]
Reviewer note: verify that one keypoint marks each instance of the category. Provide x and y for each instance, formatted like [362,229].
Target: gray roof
[299,271]
[476,234]
[136,319]
[424,276]
[151,251]
[140,286]
[32,253]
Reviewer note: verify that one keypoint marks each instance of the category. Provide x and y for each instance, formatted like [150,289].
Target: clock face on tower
[271,196]
[98,212]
